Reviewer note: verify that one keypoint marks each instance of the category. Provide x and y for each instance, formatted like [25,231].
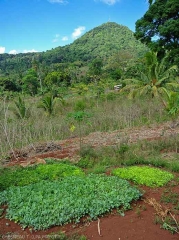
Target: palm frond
[173,85]
[144,78]
[164,91]
[20,110]
[48,103]
[145,89]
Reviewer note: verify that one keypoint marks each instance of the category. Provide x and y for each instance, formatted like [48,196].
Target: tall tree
[159,27]
[95,68]
[30,82]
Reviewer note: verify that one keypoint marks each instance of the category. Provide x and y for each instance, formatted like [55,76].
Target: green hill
[101,42]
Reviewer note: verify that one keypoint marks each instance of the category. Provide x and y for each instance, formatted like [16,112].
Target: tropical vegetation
[73,91]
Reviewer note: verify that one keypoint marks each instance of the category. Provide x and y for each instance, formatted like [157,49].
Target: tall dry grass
[107,115]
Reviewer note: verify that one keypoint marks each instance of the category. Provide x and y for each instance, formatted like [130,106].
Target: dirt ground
[138,223]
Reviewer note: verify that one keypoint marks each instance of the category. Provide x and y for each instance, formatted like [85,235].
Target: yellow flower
[72,128]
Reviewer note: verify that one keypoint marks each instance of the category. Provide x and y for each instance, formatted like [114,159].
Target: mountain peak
[102,42]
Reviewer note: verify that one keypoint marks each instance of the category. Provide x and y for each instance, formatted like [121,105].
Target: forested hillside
[108,49]
[100,42]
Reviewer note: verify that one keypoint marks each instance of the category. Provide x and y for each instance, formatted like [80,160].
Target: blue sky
[40,25]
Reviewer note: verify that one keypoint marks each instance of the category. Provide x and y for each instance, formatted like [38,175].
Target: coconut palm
[156,79]
[48,104]
[21,111]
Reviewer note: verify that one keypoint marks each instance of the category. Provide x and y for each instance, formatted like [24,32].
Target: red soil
[138,223]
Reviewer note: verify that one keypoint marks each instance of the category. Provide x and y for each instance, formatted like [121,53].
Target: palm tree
[21,111]
[156,79]
[48,104]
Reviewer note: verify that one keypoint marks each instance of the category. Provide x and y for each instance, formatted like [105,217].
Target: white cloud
[29,51]
[77,32]
[2,50]
[56,39]
[109,2]
[13,51]
[58,1]
[65,38]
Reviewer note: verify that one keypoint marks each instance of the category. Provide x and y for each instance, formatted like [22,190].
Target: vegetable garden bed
[144,175]
[50,203]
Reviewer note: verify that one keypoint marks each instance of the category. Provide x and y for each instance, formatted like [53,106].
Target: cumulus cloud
[29,51]
[77,32]
[65,38]
[109,2]
[2,50]
[13,51]
[58,1]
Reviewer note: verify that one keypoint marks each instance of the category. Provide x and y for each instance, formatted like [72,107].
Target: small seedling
[79,117]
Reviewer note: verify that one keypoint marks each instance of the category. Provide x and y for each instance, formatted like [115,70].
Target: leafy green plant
[123,148]
[80,105]
[48,104]
[173,104]
[97,169]
[25,176]
[50,203]
[171,197]
[21,111]
[86,162]
[145,175]
[170,225]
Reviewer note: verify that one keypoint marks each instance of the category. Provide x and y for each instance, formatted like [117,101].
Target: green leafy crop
[144,175]
[24,176]
[50,203]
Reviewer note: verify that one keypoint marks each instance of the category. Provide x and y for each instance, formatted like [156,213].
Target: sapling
[79,117]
